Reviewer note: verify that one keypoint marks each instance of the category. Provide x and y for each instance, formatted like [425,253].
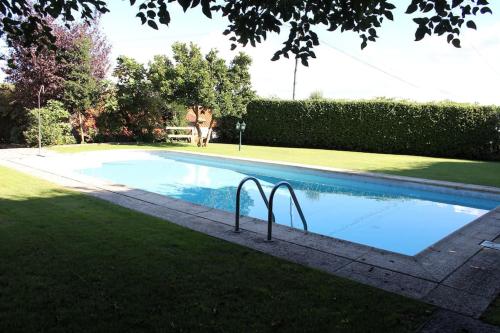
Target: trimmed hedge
[384,126]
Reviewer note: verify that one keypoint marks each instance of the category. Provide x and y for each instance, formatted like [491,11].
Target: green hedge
[383,126]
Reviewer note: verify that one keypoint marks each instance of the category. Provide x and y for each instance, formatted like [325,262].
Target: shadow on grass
[11,145]
[71,262]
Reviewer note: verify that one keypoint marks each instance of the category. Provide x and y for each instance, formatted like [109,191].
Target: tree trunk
[197,125]
[82,134]
[209,133]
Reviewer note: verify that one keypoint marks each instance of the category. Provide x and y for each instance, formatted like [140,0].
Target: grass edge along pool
[392,215]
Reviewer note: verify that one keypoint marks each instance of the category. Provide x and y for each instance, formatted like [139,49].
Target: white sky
[427,70]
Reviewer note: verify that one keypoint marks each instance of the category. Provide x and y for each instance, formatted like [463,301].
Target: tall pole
[42,90]
[295,77]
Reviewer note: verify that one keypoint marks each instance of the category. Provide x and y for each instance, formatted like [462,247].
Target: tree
[96,125]
[69,72]
[233,86]
[28,69]
[161,75]
[251,21]
[10,115]
[194,83]
[209,83]
[140,108]
[239,75]
[80,87]
[222,88]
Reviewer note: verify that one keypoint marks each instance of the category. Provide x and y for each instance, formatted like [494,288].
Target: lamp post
[42,90]
[241,128]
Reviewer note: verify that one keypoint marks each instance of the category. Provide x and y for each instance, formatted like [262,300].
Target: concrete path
[444,321]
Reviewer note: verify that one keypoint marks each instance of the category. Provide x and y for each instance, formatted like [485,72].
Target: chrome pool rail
[270,215]
[238,197]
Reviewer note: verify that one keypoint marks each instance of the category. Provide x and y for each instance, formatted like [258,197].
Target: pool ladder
[269,204]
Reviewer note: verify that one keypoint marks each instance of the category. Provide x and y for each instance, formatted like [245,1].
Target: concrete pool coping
[456,273]
[488,190]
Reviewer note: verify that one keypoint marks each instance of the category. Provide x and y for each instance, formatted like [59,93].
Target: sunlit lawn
[464,171]
[72,263]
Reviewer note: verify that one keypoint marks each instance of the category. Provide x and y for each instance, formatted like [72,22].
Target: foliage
[193,84]
[69,73]
[241,84]
[28,69]
[251,21]
[80,87]
[55,125]
[208,82]
[226,129]
[177,115]
[316,95]
[401,127]
[140,109]
[96,124]
[160,74]
[11,116]
[151,97]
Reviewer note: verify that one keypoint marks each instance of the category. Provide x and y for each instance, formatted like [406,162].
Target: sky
[395,66]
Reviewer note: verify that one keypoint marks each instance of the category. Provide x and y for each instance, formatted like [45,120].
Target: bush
[384,126]
[56,127]
[226,131]
[12,116]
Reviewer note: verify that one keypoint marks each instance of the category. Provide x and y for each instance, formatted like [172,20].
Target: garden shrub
[56,127]
[12,116]
[383,126]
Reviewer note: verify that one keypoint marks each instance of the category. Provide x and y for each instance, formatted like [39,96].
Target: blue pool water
[395,218]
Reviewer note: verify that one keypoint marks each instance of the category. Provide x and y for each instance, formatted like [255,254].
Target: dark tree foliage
[28,69]
[250,21]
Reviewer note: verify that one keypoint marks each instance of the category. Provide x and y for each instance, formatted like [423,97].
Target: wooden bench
[189,136]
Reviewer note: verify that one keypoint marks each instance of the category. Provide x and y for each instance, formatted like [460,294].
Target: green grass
[464,171]
[70,263]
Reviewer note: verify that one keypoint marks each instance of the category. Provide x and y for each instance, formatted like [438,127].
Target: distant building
[204,120]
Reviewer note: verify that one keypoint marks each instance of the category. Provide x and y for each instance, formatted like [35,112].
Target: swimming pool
[386,215]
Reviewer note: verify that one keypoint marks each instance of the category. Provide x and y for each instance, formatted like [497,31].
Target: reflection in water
[221,198]
[312,195]
[394,218]
[468,210]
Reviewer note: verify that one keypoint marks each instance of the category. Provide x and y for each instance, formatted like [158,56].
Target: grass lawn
[70,263]
[464,171]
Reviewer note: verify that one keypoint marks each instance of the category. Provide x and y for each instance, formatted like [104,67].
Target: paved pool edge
[384,176]
[456,274]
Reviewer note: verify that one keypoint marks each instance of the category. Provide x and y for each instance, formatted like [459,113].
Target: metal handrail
[270,216]
[238,192]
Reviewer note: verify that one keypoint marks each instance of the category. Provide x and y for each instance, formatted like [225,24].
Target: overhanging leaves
[250,21]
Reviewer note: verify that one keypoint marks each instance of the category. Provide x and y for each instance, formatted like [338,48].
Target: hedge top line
[402,102]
